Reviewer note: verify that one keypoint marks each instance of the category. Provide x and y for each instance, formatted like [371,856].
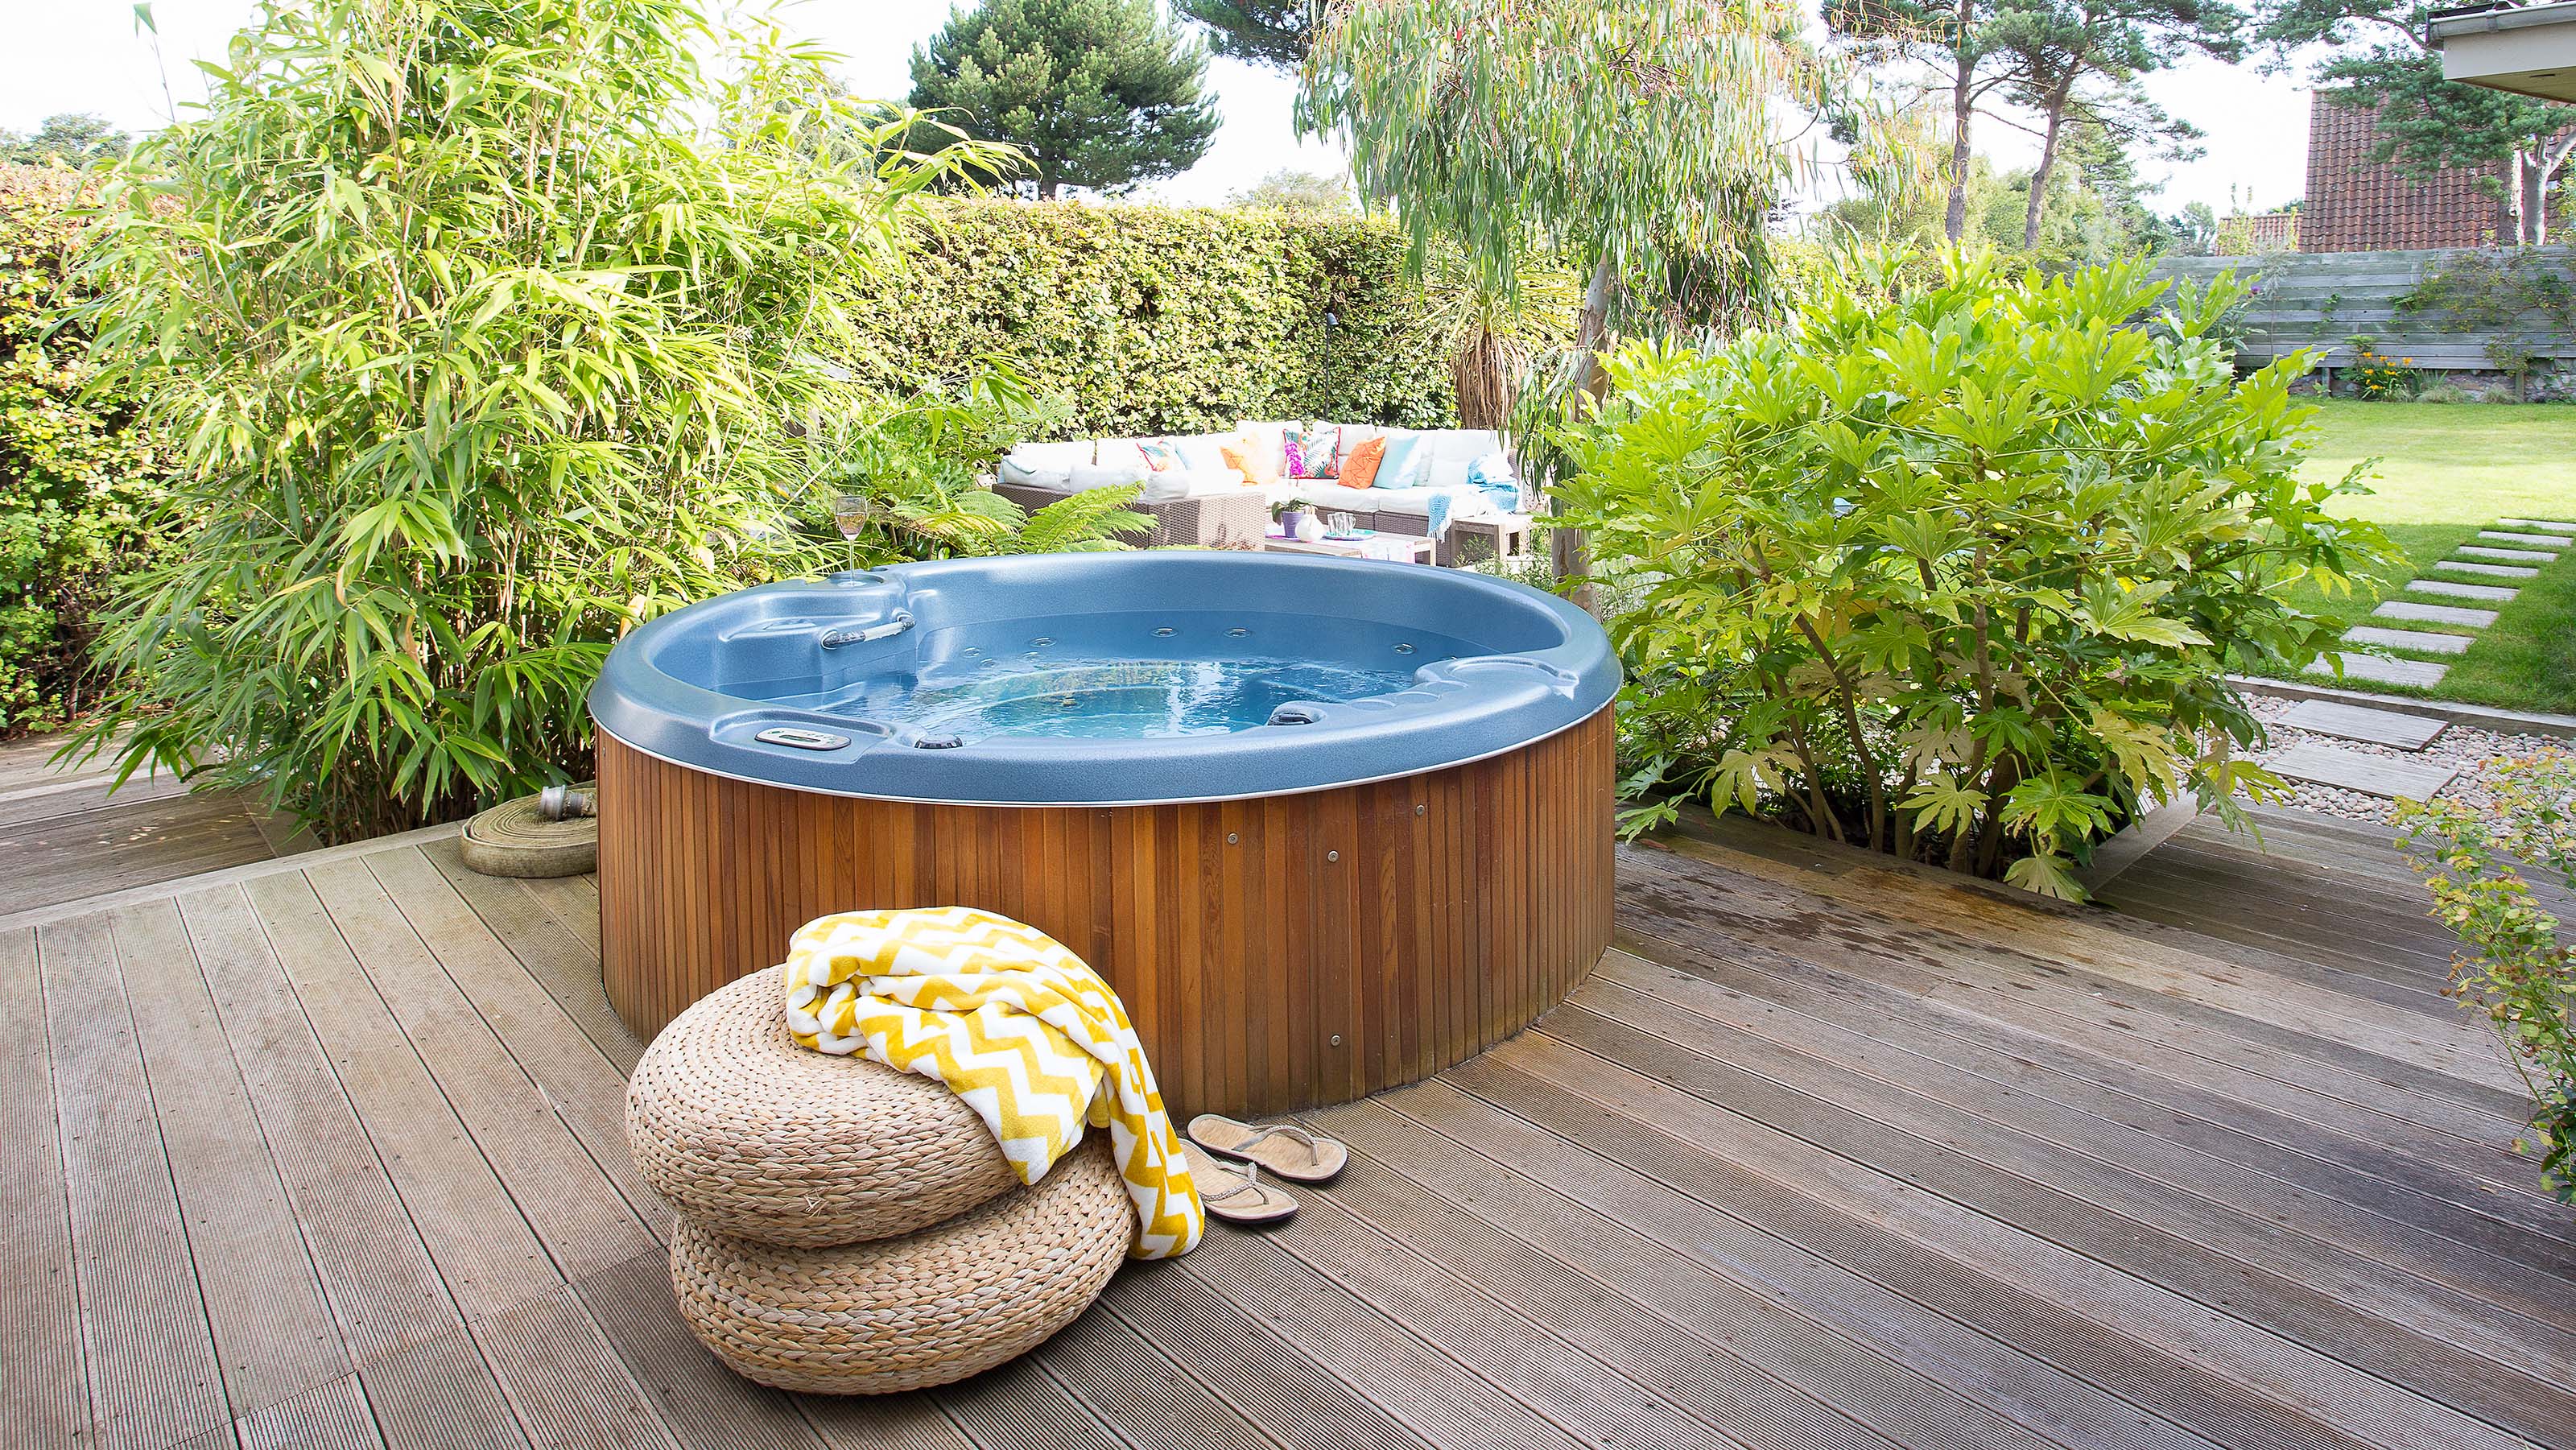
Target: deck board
[1827,1153]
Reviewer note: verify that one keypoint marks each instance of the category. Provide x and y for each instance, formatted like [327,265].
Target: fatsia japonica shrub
[1954,572]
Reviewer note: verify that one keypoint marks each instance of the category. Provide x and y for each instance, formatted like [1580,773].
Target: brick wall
[2354,205]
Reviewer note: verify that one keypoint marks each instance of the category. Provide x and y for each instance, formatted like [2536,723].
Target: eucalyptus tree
[1643,145]
[485,327]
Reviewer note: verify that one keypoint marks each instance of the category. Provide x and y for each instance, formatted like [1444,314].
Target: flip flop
[1236,1197]
[1287,1150]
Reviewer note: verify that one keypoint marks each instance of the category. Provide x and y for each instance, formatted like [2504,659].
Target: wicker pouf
[924,1309]
[748,1134]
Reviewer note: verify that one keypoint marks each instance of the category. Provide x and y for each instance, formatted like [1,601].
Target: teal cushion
[1402,465]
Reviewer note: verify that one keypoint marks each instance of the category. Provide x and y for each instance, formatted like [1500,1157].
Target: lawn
[2445,471]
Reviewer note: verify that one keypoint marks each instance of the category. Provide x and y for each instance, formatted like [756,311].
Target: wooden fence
[2322,300]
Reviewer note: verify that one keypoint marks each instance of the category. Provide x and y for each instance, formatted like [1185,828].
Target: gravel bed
[2472,748]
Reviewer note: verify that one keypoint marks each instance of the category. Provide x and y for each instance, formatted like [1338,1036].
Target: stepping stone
[2421,673]
[2492,571]
[2370,774]
[2510,556]
[2486,592]
[2546,526]
[2358,722]
[2414,639]
[2535,541]
[2435,613]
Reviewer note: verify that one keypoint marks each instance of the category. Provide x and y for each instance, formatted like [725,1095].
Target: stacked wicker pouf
[849,1229]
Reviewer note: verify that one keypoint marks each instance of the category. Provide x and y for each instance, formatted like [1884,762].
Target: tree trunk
[2534,172]
[2530,199]
[1963,103]
[2047,163]
[1567,550]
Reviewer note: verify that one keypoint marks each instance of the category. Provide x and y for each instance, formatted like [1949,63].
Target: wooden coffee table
[1399,548]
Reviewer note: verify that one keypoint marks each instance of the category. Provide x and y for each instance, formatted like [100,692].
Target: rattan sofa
[1208,521]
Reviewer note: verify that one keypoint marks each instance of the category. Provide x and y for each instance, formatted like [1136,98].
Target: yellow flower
[2407,360]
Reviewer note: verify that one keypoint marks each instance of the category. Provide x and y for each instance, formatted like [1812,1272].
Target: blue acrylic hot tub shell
[696,686]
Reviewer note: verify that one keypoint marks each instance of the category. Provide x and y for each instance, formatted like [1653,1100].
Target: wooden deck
[328,1152]
[65,834]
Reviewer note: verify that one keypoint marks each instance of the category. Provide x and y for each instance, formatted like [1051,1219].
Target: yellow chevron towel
[1014,1024]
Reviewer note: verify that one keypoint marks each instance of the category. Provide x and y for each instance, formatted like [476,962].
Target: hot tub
[1327,826]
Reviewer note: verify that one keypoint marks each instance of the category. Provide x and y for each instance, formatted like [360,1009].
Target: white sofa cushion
[1464,503]
[1046,465]
[1448,452]
[1123,452]
[1109,475]
[1200,450]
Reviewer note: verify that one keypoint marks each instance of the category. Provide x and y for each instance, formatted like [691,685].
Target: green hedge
[1165,320]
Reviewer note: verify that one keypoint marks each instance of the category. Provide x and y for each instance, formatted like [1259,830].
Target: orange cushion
[1252,461]
[1359,466]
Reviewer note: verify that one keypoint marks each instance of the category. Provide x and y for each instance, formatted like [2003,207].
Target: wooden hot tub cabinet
[1276,953]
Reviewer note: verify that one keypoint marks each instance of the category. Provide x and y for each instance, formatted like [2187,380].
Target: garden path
[2516,549]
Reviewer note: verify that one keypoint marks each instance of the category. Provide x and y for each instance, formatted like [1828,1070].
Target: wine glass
[850,515]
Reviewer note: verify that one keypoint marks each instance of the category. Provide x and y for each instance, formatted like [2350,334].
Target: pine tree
[1100,94]
[1273,33]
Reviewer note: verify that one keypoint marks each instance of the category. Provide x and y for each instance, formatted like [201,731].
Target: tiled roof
[2356,205]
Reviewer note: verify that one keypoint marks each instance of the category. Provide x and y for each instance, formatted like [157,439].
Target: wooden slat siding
[1324,911]
[2258,1359]
[153,1380]
[701,1401]
[2041,1172]
[2033,1359]
[488,1257]
[384,1290]
[274,1336]
[1609,1377]
[577,1081]
[1486,1219]
[2363,286]
[2017,1294]
[560,961]
[573,1206]
[43,1392]
[1250,1362]
[2371,1174]
[330,1416]
[2035,948]
[2236,1072]
[566,1383]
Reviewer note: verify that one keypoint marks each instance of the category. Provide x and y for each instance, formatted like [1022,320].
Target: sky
[87,55]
